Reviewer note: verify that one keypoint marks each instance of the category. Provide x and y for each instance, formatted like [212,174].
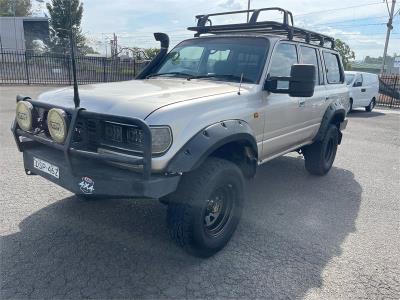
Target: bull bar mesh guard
[67,148]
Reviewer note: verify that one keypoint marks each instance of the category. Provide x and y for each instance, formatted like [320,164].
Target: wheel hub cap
[218,209]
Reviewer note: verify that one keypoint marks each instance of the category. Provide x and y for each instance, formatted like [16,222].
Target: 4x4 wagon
[196,122]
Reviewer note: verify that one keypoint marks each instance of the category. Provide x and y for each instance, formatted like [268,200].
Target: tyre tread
[314,154]
[182,201]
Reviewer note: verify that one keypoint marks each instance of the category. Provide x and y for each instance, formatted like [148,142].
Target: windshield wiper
[169,73]
[224,76]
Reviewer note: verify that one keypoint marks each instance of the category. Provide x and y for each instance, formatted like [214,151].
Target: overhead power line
[178,34]
[299,15]
[355,20]
[339,8]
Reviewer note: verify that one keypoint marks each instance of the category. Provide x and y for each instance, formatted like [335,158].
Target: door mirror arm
[271,84]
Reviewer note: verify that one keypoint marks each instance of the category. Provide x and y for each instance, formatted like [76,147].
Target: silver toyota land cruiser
[194,124]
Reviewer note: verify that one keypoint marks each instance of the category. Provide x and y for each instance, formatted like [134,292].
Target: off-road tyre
[350,106]
[211,193]
[371,105]
[320,155]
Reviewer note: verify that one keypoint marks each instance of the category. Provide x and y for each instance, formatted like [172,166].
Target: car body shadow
[365,114]
[292,226]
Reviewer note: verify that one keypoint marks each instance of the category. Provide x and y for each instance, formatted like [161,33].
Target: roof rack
[284,28]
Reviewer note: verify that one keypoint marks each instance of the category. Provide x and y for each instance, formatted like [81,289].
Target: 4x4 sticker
[87,185]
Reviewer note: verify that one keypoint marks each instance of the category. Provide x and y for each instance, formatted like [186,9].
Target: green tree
[66,15]
[19,8]
[345,52]
[151,52]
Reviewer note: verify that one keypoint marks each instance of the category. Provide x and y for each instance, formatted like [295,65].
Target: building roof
[27,19]
[362,65]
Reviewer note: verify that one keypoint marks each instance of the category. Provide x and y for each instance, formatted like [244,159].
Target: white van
[364,89]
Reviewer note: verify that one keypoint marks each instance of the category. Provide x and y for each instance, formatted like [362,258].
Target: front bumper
[80,167]
[106,180]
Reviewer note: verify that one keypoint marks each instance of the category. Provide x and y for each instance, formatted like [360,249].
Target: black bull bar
[68,149]
[110,180]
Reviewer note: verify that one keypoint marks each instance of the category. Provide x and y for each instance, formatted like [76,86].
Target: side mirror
[301,82]
[357,84]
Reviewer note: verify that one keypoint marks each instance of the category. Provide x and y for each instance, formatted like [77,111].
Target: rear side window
[358,81]
[332,68]
[349,78]
[309,56]
[284,57]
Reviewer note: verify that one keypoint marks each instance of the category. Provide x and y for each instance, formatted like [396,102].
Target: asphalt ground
[332,237]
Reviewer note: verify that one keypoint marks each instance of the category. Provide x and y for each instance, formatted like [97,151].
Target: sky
[360,23]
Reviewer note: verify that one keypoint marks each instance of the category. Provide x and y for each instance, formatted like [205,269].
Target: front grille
[122,136]
[85,134]
[79,134]
[93,134]
[92,131]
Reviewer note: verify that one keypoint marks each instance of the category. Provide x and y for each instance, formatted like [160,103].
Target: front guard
[101,178]
[76,164]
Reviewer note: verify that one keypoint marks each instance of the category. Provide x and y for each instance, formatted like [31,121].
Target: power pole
[114,45]
[389,29]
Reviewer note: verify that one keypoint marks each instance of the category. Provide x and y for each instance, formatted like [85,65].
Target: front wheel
[319,156]
[371,105]
[204,212]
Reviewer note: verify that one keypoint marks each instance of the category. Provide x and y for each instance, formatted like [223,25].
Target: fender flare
[206,141]
[334,114]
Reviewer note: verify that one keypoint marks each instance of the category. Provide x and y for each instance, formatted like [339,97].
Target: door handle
[302,102]
[363,90]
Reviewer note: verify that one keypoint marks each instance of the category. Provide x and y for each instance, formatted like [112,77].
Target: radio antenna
[240,84]
[72,49]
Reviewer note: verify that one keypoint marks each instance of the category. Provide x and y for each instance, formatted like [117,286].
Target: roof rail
[284,28]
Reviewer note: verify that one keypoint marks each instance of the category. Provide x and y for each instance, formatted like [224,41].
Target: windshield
[349,78]
[225,58]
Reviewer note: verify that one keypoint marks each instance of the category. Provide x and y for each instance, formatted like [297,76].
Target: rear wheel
[371,105]
[319,156]
[350,106]
[204,212]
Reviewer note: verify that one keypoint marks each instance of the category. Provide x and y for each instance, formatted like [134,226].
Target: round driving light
[24,115]
[57,124]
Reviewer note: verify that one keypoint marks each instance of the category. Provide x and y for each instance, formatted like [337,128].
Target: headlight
[161,139]
[114,136]
[24,114]
[57,124]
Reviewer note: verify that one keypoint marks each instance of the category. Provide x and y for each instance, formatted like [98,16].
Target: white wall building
[17,33]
